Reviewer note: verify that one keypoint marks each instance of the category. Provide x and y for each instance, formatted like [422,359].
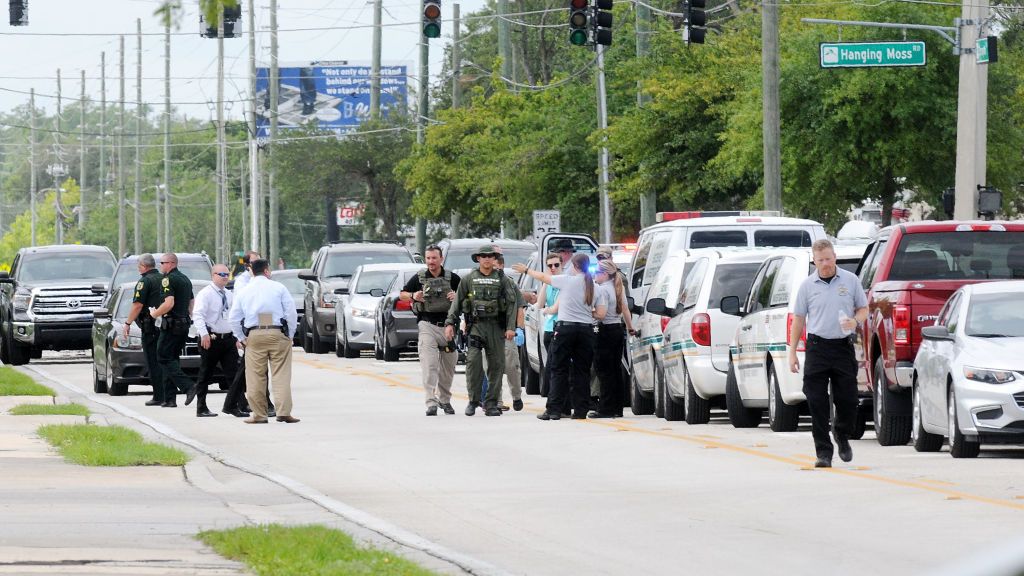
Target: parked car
[333,267]
[356,306]
[695,348]
[909,272]
[968,385]
[458,253]
[47,299]
[622,256]
[297,287]
[119,362]
[395,329]
[757,373]
[196,266]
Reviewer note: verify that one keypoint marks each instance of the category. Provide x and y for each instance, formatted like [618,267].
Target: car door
[101,330]
[934,400]
[679,338]
[755,381]
[744,353]
[532,318]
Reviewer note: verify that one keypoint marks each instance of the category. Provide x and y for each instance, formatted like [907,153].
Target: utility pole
[255,201]
[375,63]
[168,237]
[138,136]
[456,89]
[504,40]
[219,253]
[32,162]
[122,225]
[422,110]
[274,87]
[972,115]
[649,198]
[57,170]
[81,153]
[102,187]
[602,125]
[770,111]
[241,184]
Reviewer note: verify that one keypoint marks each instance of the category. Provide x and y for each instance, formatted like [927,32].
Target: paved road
[634,495]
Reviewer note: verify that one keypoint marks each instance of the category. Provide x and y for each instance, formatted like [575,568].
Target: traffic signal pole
[602,125]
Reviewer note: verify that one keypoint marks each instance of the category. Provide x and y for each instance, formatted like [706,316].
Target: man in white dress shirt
[263,320]
[217,345]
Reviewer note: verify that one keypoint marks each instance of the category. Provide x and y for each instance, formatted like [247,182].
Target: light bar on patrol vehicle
[669,216]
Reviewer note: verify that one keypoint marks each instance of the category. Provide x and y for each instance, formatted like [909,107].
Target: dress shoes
[205,414]
[598,414]
[579,415]
[447,407]
[517,404]
[431,410]
[255,420]
[566,414]
[169,404]
[493,411]
[845,451]
[823,462]
[154,402]
[288,419]
[471,408]
[238,413]
[503,407]
[271,413]
[190,395]
[549,416]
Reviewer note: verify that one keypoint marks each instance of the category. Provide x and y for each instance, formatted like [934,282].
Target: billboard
[333,96]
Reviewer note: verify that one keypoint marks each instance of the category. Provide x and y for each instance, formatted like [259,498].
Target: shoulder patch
[138,286]
[165,282]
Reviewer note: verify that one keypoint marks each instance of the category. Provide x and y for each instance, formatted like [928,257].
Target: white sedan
[969,371]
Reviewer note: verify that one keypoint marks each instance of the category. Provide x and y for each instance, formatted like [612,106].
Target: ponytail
[609,268]
[581,262]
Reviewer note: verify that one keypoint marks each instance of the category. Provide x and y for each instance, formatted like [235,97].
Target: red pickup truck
[909,272]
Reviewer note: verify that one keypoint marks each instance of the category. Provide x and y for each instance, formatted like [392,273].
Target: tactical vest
[486,295]
[435,293]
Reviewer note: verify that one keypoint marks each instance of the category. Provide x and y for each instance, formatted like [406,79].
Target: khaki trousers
[263,348]
[437,367]
[512,369]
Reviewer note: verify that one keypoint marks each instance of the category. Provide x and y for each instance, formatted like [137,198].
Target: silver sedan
[969,371]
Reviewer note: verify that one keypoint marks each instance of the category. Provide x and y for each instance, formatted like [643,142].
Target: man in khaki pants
[263,320]
[431,292]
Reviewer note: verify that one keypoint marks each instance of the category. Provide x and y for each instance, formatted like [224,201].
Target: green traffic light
[578,38]
[432,30]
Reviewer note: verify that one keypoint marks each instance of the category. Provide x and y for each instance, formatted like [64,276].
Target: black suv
[47,299]
[196,266]
[332,269]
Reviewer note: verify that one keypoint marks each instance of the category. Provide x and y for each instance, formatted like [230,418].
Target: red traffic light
[578,4]
[432,11]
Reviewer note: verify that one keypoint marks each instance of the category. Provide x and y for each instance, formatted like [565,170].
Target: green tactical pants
[492,336]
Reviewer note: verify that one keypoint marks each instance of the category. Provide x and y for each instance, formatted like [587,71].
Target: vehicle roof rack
[336,242]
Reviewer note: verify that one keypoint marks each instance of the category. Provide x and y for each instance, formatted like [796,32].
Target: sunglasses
[167,262]
[222,274]
[555,265]
[602,257]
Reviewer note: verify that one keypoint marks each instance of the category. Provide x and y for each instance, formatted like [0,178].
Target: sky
[70,35]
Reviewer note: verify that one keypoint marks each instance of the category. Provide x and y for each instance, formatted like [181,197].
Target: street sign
[987,51]
[545,221]
[350,213]
[872,54]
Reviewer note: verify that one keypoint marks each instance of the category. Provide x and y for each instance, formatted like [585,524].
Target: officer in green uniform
[148,297]
[490,309]
[176,314]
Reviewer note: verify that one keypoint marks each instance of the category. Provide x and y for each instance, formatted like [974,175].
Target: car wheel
[378,353]
[923,440]
[337,345]
[347,350]
[307,344]
[390,353]
[114,388]
[959,446]
[99,385]
[316,346]
[781,416]
[739,415]
[4,343]
[532,376]
[640,405]
[698,410]
[16,355]
[892,423]
[674,409]
[659,391]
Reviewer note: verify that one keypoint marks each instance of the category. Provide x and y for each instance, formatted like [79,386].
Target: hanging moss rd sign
[872,54]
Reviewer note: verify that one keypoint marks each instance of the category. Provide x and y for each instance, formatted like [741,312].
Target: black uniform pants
[169,356]
[235,398]
[222,351]
[572,352]
[150,339]
[830,362]
[608,362]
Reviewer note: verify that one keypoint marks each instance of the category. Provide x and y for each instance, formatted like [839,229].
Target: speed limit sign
[546,221]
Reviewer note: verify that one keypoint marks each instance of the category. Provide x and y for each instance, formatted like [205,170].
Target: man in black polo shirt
[176,314]
[431,291]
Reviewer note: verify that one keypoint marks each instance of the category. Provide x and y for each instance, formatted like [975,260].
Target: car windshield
[341,264]
[50,266]
[996,315]
[377,279]
[458,259]
[980,255]
[194,269]
[293,283]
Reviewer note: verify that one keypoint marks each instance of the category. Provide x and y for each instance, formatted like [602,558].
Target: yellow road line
[704,442]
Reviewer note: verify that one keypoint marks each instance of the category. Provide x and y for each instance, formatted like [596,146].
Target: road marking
[798,461]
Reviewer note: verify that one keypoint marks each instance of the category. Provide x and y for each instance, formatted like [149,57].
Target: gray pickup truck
[47,299]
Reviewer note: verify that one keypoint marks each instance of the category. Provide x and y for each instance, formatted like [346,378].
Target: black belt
[277,327]
[818,339]
[431,322]
[222,335]
[567,323]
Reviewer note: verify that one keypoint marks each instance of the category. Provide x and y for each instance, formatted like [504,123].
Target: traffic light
[695,21]
[603,22]
[231,16]
[19,12]
[432,18]
[578,19]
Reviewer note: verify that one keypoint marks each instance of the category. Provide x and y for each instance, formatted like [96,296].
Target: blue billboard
[333,97]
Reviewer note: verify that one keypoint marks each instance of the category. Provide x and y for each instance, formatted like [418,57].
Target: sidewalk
[61,518]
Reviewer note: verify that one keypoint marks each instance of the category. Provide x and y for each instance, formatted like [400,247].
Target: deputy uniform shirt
[148,291]
[571,304]
[461,304]
[262,296]
[176,284]
[821,302]
[414,285]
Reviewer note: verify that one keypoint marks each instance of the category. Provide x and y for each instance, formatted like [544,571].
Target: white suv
[695,348]
[758,374]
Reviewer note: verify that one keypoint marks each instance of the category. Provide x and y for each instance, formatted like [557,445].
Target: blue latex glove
[520,338]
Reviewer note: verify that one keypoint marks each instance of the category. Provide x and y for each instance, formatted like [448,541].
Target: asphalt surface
[516,495]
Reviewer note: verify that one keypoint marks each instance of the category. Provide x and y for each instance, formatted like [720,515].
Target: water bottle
[842,317]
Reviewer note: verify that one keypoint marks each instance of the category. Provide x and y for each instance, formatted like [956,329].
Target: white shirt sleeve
[198,312]
[235,317]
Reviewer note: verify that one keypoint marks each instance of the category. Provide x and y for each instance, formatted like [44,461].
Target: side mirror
[376,292]
[307,274]
[730,305]
[634,308]
[99,288]
[657,306]
[101,313]
[344,291]
[936,333]
[5,276]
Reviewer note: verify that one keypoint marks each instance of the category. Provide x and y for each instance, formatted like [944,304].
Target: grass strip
[15,383]
[49,410]
[92,445]
[305,551]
